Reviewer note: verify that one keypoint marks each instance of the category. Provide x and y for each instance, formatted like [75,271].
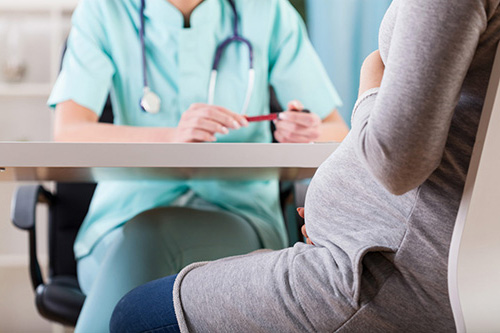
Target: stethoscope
[150,101]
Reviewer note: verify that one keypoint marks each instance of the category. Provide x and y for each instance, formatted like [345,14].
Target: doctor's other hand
[294,126]
[300,210]
[201,122]
[372,72]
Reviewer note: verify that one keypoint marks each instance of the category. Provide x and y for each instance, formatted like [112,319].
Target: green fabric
[104,55]
[148,248]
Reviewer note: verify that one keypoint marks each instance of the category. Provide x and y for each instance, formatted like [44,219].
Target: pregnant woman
[379,212]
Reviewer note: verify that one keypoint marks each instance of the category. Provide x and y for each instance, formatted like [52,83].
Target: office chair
[59,298]
[474,260]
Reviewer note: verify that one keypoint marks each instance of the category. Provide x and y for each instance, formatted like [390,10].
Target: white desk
[91,162]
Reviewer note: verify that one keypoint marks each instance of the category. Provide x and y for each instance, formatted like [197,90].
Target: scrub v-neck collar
[205,13]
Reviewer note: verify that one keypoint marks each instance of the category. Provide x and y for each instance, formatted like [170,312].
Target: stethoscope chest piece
[150,102]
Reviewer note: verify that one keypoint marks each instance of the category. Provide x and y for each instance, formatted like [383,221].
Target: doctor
[183,71]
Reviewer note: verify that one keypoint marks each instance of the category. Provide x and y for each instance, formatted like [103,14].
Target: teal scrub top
[104,56]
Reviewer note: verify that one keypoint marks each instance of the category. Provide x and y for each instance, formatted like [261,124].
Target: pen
[271,116]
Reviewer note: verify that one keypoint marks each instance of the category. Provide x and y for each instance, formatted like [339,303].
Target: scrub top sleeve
[296,72]
[87,69]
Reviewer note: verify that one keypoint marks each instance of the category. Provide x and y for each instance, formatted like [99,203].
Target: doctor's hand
[294,126]
[201,121]
[300,210]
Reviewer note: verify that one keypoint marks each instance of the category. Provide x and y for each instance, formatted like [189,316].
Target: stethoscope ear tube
[248,95]
[251,81]
[211,86]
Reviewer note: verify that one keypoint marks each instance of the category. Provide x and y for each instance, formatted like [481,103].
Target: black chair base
[60,300]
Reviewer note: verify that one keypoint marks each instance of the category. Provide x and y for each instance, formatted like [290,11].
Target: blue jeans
[148,308]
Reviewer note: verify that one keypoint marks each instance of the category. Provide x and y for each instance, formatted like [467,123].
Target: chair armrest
[23,215]
[292,196]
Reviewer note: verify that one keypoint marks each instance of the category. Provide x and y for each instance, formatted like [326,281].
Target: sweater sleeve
[401,130]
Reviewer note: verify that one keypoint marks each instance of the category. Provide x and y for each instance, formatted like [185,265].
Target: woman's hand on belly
[300,210]
[201,121]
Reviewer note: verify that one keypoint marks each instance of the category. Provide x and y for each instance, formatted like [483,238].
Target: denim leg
[148,308]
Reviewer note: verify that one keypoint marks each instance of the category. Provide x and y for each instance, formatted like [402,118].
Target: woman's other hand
[372,72]
[201,122]
[300,210]
[294,126]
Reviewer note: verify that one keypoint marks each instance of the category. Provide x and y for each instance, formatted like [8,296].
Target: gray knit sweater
[381,209]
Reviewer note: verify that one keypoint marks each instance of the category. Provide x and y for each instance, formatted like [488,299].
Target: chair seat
[60,300]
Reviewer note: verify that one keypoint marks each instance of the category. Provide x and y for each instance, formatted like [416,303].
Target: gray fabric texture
[382,208]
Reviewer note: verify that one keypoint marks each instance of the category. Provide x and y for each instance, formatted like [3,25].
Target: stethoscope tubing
[142,33]
[150,102]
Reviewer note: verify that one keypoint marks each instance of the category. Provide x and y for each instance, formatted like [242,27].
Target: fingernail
[224,130]
[244,122]
[282,116]
[298,105]
[236,125]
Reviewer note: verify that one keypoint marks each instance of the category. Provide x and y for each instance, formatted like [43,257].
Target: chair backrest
[66,216]
[474,261]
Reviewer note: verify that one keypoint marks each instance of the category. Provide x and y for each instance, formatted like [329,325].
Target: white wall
[17,309]
[40,27]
